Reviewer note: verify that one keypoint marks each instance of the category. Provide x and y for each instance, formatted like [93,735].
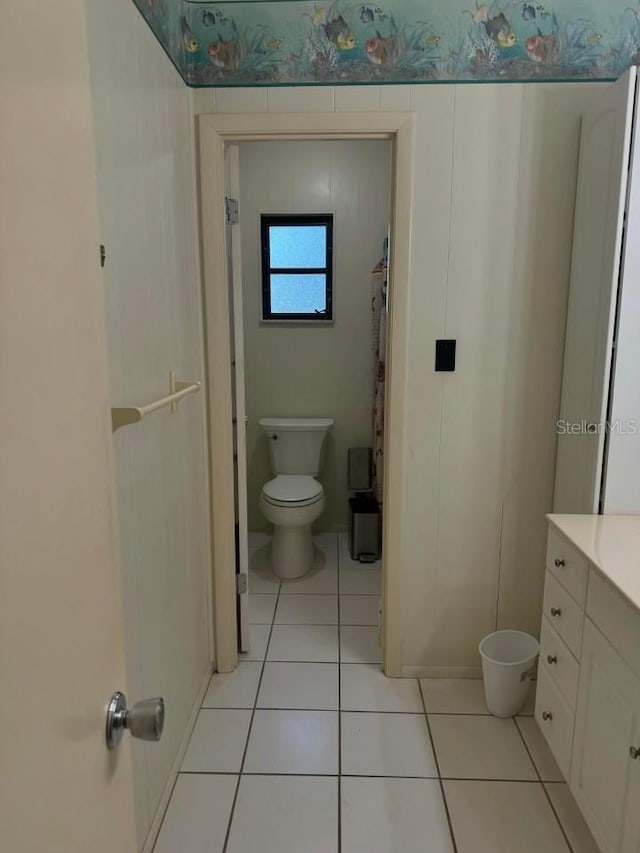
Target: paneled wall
[492,215]
[314,371]
[145,164]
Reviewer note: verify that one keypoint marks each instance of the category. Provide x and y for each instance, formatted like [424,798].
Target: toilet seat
[292,490]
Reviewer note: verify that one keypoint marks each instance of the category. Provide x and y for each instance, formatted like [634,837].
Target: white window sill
[297,322]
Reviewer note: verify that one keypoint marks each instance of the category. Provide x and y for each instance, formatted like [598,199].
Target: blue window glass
[297,274]
[298,294]
[302,246]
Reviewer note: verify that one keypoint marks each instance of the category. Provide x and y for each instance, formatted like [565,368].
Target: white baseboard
[156,823]
[441,672]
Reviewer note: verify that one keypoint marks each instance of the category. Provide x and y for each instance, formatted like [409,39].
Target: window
[297,267]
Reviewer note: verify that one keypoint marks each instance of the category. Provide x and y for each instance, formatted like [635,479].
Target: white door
[597,245]
[605,778]
[234,266]
[61,631]
[622,482]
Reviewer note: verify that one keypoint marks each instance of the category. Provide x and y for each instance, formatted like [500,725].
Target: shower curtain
[379,328]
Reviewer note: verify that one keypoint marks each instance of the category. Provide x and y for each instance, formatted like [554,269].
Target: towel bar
[124,415]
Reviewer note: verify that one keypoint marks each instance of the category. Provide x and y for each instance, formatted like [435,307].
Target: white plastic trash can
[508,664]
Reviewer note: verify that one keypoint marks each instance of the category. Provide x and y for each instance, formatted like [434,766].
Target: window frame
[296,219]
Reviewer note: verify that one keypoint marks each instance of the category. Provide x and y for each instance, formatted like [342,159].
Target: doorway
[308,343]
[217,134]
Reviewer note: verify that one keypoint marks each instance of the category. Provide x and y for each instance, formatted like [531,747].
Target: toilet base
[291,551]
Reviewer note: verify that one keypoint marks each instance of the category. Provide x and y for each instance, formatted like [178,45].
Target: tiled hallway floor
[308,748]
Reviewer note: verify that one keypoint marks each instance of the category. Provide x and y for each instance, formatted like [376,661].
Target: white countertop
[611,543]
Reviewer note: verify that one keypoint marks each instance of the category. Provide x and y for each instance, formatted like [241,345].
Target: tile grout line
[365,776]
[319,710]
[253,713]
[437,763]
[347,710]
[546,793]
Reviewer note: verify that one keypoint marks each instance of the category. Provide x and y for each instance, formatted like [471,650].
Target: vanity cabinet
[605,778]
[588,694]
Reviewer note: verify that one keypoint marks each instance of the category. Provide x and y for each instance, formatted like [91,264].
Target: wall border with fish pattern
[308,42]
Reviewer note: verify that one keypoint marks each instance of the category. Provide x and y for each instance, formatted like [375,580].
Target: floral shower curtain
[379,329]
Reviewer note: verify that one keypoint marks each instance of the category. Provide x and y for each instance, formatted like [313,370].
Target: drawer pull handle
[552,659]
[555,611]
[547,715]
[559,563]
[634,752]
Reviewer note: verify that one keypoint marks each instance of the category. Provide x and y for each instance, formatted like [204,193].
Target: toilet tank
[295,444]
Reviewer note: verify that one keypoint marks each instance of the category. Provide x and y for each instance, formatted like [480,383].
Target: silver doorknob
[144,721]
[559,563]
[634,752]
[551,659]
[547,715]
[555,611]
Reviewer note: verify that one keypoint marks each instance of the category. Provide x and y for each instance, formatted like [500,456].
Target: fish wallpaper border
[308,42]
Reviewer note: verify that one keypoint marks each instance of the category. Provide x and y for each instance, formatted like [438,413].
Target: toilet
[293,499]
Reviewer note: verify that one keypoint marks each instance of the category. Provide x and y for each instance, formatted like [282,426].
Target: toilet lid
[292,487]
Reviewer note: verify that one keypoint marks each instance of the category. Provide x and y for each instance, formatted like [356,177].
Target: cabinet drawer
[567,565]
[555,719]
[559,662]
[563,613]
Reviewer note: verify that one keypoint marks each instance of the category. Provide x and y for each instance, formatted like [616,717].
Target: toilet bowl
[292,503]
[293,499]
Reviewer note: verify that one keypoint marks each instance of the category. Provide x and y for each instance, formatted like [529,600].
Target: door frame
[234,270]
[214,131]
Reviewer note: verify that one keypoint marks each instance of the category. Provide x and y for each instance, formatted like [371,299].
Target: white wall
[494,186]
[145,163]
[312,371]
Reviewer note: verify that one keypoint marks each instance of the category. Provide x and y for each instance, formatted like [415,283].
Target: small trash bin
[364,528]
[508,664]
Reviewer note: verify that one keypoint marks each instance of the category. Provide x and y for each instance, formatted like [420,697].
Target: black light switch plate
[445,355]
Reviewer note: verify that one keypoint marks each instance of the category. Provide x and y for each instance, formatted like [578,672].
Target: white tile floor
[308,748]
